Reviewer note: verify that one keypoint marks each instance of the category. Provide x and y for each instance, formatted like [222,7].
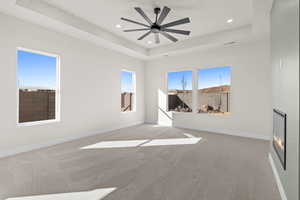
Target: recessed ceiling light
[118,26]
[149,42]
[229,20]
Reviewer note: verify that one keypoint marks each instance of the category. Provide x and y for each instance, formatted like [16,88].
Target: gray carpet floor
[218,167]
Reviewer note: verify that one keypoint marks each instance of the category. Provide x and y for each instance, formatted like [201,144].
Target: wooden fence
[36,105]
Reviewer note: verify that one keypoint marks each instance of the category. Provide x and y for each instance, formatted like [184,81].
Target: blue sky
[209,77]
[174,80]
[36,70]
[127,81]
[212,77]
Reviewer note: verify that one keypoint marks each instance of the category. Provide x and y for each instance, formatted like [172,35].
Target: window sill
[37,123]
[207,114]
[172,111]
[133,111]
[215,114]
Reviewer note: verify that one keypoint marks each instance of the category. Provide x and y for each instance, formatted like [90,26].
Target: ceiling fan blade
[178,22]
[163,15]
[135,22]
[157,41]
[140,29]
[183,32]
[143,36]
[139,10]
[170,37]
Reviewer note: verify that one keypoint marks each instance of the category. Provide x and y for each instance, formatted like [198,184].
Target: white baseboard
[278,181]
[28,148]
[233,133]
[151,122]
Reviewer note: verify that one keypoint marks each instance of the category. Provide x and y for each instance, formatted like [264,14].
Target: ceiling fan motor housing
[155,28]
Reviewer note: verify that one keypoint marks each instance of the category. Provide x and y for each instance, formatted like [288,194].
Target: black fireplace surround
[279,135]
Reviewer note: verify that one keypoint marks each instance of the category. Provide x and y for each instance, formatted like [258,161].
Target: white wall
[251,90]
[90,86]
[285,66]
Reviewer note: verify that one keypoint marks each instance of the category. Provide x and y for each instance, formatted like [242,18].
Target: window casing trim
[134,108]
[57,88]
[167,89]
[195,78]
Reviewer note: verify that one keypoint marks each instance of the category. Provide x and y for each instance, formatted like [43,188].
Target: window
[127,91]
[214,90]
[180,91]
[38,86]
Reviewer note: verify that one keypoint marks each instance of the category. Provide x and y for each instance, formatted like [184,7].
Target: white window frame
[57,88]
[197,87]
[134,90]
[167,89]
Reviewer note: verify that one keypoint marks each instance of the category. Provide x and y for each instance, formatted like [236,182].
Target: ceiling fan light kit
[156,27]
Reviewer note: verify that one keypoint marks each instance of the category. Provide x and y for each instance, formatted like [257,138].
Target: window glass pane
[180,91]
[214,90]
[37,86]
[36,70]
[127,91]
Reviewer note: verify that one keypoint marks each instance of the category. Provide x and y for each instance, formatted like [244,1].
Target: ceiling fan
[157,27]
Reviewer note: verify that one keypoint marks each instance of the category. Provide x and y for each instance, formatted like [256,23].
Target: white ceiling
[95,20]
[207,16]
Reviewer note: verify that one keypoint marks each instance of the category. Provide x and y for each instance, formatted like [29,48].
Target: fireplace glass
[279,135]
